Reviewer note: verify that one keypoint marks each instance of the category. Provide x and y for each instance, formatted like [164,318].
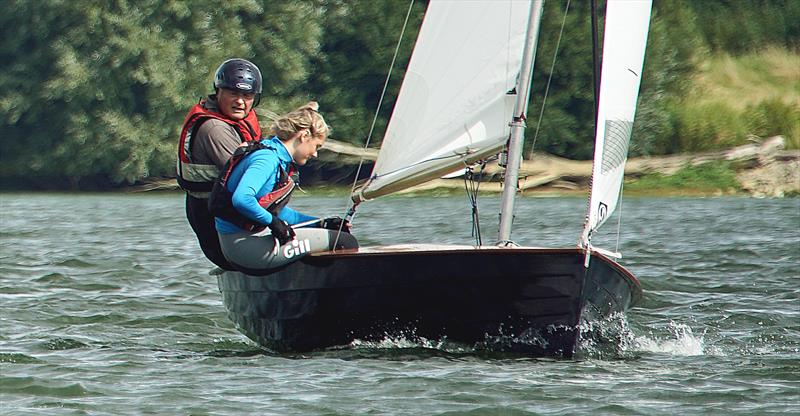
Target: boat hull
[526,300]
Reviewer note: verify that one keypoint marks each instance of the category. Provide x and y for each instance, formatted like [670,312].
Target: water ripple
[117,314]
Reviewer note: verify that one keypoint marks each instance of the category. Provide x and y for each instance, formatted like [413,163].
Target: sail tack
[626,25]
[455,102]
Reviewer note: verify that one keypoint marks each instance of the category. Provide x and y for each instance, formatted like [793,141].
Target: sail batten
[455,98]
[626,26]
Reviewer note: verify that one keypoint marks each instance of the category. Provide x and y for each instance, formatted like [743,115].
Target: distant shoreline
[542,192]
[759,169]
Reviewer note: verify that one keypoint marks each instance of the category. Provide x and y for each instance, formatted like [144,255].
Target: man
[211,132]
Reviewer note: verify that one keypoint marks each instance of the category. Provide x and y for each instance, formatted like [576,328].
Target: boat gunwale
[431,249]
[436,249]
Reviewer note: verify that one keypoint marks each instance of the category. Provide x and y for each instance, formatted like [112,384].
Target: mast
[518,123]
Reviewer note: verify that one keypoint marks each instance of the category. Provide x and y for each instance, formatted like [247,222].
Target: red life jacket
[198,178]
[220,202]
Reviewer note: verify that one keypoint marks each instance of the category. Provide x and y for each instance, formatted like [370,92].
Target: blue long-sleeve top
[252,178]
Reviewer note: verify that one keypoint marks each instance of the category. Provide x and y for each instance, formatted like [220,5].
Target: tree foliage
[357,49]
[98,89]
[101,87]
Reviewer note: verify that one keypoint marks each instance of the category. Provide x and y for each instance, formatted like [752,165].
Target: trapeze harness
[220,203]
[197,178]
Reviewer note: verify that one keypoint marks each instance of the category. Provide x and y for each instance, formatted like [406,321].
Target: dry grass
[736,98]
[741,81]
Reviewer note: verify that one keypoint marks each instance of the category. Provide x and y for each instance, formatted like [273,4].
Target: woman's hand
[282,231]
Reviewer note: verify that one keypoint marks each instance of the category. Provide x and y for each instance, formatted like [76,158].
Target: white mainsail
[626,26]
[455,104]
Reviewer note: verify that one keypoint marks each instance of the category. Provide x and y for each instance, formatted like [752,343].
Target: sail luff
[625,39]
[517,138]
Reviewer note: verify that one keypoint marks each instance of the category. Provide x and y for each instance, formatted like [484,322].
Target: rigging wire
[351,208]
[619,216]
[549,79]
[383,94]
[587,227]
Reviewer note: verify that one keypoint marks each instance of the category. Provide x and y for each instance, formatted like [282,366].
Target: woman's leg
[320,239]
[260,252]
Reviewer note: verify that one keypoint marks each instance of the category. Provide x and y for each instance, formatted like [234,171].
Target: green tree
[97,89]
[747,25]
[674,47]
[103,86]
[567,123]
[359,41]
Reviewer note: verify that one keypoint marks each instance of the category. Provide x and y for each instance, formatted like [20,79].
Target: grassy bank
[713,178]
[734,98]
[709,179]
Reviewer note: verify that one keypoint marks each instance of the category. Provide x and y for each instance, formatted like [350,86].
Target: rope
[351,209]
[471,185]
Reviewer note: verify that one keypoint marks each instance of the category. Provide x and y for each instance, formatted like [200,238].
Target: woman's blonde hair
[305,117]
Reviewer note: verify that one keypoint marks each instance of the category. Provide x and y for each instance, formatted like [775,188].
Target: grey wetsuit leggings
[250,252]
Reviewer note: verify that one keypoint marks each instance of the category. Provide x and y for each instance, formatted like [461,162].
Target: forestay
[456,99]
[626,26]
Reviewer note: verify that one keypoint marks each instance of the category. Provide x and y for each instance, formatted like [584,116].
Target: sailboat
[463,99]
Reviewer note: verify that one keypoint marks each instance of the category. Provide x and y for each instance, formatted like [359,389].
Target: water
[105,308]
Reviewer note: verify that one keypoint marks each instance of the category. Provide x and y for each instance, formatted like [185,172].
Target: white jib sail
[626,26]
[454,105]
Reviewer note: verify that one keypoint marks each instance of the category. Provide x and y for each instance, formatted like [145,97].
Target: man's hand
[336,223]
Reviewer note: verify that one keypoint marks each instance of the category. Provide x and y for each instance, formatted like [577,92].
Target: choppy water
[106,308]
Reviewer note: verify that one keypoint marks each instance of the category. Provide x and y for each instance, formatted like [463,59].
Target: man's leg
[203,225]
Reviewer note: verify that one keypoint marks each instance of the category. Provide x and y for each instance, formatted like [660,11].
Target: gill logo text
[296,248]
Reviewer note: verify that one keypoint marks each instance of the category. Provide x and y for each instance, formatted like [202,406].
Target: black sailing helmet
[239,75]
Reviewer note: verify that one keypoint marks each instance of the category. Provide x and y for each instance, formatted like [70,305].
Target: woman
[249,200]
